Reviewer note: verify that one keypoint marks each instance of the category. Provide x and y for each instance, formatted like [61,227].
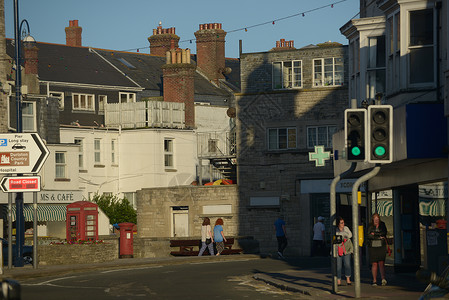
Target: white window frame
[393,46]
[125,97]
[285,75]
[89,102]
[30,117]
[275,136]
[97,151]
[169,157]
[59,96]
[335,63]
[412,48]
[102,101]
[60,165]
[330,130]
[80,142]
[375,69]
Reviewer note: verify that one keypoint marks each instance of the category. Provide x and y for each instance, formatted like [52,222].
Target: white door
[180,223]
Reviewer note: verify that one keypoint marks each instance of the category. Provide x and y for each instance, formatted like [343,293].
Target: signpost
[21,184]
[22,153]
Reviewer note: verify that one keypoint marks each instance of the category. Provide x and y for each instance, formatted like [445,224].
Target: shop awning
[44,212]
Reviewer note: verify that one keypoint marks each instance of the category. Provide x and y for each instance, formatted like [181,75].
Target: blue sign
[3,142]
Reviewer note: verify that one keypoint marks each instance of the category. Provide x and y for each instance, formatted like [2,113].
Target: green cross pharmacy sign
[319,156]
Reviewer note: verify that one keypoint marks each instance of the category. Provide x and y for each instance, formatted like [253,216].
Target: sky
[126,24]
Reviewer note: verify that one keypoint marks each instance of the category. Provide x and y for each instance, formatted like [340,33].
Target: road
[231,279]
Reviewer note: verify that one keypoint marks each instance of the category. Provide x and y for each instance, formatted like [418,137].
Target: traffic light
[355,133]
[380,130]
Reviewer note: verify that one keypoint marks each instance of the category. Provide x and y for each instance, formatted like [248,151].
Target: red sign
[21,184]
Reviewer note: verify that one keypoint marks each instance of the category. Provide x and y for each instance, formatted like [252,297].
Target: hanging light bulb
[246,30]
[303,15]
[273,22]
[332,5]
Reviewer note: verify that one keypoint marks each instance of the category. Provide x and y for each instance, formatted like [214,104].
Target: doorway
[180,217]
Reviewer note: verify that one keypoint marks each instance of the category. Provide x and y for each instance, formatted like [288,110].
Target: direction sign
[22,153]
[21,184]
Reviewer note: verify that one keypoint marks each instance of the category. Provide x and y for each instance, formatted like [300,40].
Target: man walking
[318,245]
[281,235]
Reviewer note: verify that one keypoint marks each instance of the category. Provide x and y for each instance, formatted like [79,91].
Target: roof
[62,63]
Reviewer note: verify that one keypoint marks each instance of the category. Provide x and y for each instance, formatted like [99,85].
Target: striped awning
[427,207]
[44,212]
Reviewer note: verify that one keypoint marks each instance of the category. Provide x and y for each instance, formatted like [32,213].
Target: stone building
[291,100]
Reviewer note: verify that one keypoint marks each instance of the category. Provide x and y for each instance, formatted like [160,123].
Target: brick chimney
[162,39]
[73,34]
[282,44]
[178,82]
[31,57]
[210,50]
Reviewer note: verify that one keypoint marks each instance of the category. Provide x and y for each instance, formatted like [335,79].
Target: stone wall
[58,254]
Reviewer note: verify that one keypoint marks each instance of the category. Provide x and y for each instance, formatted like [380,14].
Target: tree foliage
[118,210]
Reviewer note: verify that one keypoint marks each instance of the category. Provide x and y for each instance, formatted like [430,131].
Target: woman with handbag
[376,235]
[345,249]
[206,237]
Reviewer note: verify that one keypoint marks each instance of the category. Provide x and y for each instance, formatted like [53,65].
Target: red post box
[126,240]
[82,221]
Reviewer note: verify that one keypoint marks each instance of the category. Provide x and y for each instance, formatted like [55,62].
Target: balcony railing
[216,144]
[145,114]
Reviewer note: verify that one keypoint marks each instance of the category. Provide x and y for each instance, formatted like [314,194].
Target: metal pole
[333,212]
[355,225]
[9,230]
[35,230]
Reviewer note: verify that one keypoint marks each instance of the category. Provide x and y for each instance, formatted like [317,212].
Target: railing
[145,114]
[216,144]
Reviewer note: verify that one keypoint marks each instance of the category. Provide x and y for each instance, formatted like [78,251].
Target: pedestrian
[345,249]
[318,244]
[377,249]
[281,236]
[206,237]
[219,236]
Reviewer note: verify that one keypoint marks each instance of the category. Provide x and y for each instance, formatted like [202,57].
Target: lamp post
[20,220]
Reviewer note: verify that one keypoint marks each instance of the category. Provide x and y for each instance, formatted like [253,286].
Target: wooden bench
[186,247]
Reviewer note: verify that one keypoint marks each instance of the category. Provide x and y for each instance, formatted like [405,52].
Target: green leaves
[117,210]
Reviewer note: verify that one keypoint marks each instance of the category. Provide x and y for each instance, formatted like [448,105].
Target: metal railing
[216,144]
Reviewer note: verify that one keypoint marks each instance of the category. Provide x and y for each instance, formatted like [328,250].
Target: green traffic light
[356,151]
[380,151]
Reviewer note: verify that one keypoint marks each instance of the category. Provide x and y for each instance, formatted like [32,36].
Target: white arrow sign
[21,184]
[22,153]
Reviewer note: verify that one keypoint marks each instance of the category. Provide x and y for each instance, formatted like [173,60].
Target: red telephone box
[82,221]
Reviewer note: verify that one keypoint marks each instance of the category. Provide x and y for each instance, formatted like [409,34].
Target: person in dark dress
[377,247]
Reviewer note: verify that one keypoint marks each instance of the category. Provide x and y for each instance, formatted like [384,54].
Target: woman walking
[345,249]
[377,234]
[206,237]
[219,236]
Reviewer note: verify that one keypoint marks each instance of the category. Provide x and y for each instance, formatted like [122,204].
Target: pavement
[310,277]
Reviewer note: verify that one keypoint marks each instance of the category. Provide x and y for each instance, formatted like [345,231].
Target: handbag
[341,249]
[388,247]
[208,241]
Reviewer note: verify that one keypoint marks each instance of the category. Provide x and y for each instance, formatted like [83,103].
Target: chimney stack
[210,50]
[31,57]
[162,40]
[178,82]
[282,44]
[73,34]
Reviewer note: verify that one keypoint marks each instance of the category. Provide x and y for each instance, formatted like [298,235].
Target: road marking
[215,262]
[129,269]
[49,281]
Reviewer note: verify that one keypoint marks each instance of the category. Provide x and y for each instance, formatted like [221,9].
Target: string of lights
[273,21]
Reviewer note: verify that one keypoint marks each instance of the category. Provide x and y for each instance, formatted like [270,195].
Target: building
[291,100]
[398,55]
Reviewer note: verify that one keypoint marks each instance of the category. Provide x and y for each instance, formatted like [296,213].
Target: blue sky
[125,25]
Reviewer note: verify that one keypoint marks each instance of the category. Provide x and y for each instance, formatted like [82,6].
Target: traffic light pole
[355,226]
[333,216]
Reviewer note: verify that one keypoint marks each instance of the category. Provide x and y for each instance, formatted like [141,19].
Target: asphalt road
[194,280]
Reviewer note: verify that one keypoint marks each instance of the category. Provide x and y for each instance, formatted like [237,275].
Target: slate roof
[62,63]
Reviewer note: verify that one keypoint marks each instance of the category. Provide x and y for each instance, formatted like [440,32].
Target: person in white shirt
[318,245]
[206,237]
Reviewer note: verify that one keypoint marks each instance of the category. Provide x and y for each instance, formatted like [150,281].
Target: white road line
[216,262]
[49,281]
[130,269]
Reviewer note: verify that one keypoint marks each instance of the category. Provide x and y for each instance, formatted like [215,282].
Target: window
[328,71]
[421,47]
[131,197]
[113,143]
[127,97]
[83,101]
[376,66]
[60,97]
[102,100]
[97,151]
[28,116]
[287,74]
[281,138]
[394,55]
[60,165]
[320,136]
[212,145]
[79,141]
[168,153]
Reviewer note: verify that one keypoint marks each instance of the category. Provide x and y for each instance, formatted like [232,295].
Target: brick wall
[162,40]
[73,34]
